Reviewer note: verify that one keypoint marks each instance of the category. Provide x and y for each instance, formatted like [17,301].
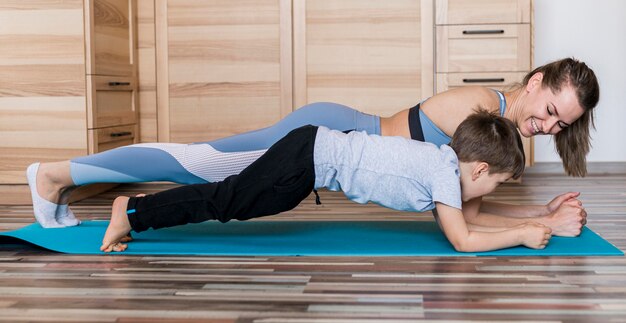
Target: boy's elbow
[461,245]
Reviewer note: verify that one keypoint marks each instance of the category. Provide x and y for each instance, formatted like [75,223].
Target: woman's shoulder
[474,93]
[469,97]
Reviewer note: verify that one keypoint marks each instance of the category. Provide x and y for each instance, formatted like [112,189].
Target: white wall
[593,31]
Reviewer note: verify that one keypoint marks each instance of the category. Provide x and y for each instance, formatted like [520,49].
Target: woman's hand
[535,235]
[553,205]
[568,219]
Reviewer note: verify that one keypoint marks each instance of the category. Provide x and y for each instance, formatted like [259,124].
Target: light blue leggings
[212,160]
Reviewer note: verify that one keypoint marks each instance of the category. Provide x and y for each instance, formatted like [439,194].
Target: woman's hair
[489,138]
[572,143]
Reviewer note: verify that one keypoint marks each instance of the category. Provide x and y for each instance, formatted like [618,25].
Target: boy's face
[478,181]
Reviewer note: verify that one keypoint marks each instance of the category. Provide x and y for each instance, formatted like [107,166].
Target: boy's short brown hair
[489,138]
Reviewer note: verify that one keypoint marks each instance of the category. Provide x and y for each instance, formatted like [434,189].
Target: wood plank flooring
[42,286]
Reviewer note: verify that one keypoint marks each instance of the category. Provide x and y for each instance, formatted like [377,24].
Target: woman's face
[546,112]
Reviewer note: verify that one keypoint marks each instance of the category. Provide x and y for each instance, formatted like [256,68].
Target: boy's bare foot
[128,237]
[118,228]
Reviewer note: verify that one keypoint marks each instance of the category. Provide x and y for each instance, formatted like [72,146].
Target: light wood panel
[42,84]
[110,31]
[483,48]
[226,68]
[146,69]
[112,137]
[42,286]
[112,100]
[459,12]
[371,55]
[494,80]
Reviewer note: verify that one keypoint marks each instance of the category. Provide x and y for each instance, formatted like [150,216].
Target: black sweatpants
[278,181]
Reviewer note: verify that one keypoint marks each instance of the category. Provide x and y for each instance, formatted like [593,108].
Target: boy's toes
[116,246]
[119,247]
[106,247]
[127,238]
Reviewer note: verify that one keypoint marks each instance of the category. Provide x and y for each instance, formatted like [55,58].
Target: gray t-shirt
[394,172]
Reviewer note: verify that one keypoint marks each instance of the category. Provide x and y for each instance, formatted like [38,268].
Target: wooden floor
[42,286]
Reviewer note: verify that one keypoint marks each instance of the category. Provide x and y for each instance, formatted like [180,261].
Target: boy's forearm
[483,228]
[486,241]
[467,237]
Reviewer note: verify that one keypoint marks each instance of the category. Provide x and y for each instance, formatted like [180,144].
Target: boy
[395,172]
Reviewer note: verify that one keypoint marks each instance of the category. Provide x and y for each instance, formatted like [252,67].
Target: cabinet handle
[119,83]
[483,32]
[494,80]
[121,134]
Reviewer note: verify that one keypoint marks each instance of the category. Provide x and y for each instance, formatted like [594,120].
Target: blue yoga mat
[295,238]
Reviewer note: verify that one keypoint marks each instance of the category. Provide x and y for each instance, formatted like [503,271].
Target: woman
[557,98]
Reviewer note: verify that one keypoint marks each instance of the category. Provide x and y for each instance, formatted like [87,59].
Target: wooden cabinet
[111,67]
[482,42]
[486,43]
[65,66]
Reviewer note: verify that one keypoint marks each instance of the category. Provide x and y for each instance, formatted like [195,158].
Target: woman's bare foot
[118,228]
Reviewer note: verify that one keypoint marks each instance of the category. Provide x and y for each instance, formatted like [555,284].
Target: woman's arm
[451,221]
[526,211]
[514,211]
[567,220]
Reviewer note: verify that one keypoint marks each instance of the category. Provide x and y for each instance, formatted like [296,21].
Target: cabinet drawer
[109,28]
[112,101]
[111,137]
[498,81]
[455,12]
[483,48]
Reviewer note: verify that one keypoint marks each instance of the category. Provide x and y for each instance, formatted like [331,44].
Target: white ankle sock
[44,210]
[65,216]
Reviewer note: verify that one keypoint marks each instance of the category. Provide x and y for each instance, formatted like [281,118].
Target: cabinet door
[109,30]
[223,67]
[112,137]
[113,101]
[483,48]
[375,56]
